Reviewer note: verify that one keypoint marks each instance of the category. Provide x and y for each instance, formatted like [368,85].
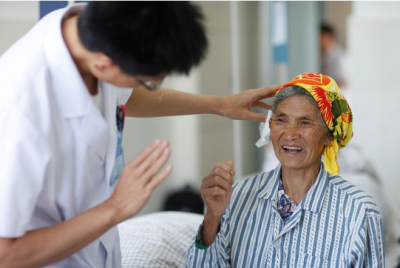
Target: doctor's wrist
[220,106]
[113,212]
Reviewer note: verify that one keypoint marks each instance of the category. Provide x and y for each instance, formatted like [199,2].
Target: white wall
[19,10]
[216,133]
[373,43]
[16,19]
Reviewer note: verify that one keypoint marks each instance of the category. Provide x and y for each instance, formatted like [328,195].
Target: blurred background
[255,44]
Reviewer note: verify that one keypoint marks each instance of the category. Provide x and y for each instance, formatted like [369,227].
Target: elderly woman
[301,214]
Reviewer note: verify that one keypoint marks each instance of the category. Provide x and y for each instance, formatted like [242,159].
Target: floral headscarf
[335,111]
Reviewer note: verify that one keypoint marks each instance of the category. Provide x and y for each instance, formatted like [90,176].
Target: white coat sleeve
[24,156]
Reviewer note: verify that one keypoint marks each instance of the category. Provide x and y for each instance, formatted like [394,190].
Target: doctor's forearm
[52,244]
[166,102]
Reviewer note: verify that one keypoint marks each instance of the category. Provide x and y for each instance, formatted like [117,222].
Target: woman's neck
[297,182]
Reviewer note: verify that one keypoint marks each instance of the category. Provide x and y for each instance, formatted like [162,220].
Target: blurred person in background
[333,58]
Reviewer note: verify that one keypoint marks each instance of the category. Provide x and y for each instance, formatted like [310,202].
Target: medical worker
[65,88]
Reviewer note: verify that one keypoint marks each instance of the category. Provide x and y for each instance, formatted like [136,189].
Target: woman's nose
[291,133]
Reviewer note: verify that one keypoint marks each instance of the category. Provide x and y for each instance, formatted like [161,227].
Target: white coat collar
[73,97]
[71,92]
[74,101]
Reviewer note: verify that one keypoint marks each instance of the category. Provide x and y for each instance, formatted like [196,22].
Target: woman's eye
[305,123]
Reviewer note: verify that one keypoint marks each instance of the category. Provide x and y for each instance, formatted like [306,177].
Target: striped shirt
[335,225]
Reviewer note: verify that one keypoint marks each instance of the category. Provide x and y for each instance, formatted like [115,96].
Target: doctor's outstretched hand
[239,106]
[216,191]
[139,178]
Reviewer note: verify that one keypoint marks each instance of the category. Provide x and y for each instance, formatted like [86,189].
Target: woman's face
[297,133]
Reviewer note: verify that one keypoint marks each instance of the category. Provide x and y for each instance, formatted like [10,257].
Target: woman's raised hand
[216,189]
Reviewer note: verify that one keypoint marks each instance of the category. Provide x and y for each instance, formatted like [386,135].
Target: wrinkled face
[297,133]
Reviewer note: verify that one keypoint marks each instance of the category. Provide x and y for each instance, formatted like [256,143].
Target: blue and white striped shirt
[335,225]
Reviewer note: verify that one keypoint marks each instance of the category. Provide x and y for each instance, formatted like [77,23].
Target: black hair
[146,38]
[327,28]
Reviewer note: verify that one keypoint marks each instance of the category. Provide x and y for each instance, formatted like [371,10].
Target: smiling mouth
[292,149]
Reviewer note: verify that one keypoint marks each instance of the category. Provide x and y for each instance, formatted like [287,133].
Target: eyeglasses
[150,85]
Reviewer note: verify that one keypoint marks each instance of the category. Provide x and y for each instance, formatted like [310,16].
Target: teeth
[292,148]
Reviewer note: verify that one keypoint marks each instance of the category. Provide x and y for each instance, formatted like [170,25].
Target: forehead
[298,107]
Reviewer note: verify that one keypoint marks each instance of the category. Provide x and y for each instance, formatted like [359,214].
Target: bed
[158,240]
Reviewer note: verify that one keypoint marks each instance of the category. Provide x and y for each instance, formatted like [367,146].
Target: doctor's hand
[139,178]
[239,106]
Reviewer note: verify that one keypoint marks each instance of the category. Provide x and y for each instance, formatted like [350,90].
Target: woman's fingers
[217,181]
[226,167]
[215,191]
[227,176]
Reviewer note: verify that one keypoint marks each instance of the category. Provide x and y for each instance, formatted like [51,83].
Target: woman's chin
[292,162]
[295,164]
[291,165]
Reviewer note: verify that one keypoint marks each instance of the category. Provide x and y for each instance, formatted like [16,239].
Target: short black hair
[146,38]
[327,28]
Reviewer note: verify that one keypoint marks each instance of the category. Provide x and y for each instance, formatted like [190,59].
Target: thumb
[230,163]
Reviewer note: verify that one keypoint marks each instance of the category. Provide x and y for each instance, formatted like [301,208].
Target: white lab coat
[56,149]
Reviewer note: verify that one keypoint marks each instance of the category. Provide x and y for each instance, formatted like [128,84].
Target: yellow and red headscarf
[335,111]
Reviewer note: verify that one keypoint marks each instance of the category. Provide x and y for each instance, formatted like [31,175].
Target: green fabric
[200,245]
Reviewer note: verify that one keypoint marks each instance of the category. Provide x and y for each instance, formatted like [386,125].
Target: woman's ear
[328,141]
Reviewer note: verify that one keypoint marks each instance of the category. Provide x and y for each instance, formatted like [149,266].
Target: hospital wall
[373,43]
[16,18]
[199,142]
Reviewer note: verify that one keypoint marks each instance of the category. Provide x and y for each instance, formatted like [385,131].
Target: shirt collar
[312,201]
[71,93]
[314,198]
[269,185]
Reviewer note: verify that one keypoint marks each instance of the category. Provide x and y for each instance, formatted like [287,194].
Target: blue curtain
[47,6]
